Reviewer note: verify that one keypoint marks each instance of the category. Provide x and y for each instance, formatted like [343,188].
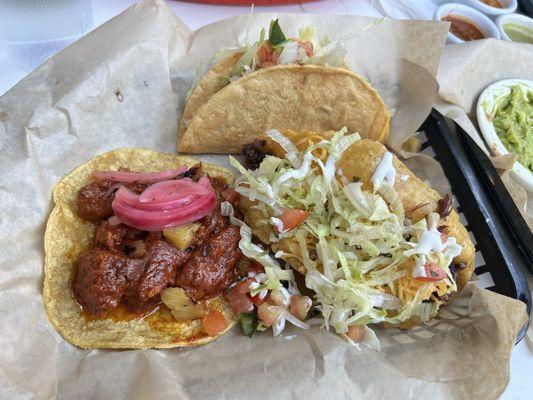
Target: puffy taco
[137,254]
[376,245]
[299,83]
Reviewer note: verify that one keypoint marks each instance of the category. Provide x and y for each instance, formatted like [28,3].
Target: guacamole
[513,122]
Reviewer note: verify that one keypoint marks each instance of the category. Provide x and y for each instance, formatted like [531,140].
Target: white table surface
[197,15]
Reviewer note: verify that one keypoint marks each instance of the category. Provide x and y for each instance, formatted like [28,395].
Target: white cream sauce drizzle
[278,223]
[430,241]
[385,172]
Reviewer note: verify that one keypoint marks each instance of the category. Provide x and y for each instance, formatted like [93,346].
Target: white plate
[488,98]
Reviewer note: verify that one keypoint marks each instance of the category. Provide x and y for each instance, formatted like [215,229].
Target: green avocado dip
[518,32]
[513,122]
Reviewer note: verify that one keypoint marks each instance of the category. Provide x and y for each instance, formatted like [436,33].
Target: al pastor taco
[137,253]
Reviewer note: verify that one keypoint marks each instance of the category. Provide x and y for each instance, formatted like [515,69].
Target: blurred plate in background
[33,30]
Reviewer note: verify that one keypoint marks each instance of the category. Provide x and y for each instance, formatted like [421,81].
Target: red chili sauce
[463,28]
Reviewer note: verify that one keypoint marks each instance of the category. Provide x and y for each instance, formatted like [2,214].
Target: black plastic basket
[504,243]
[526,7]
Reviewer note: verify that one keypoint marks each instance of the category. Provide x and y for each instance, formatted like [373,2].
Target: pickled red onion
[172,189]
[172,209]
[159,220]
[142,177]
[132,199]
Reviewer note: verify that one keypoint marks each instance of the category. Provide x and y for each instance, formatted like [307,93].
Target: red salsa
[492,3]
[463,28]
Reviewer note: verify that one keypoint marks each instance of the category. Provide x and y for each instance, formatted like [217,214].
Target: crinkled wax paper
[125,85]
[464,72]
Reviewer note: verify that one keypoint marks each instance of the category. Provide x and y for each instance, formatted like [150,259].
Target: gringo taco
[375,244]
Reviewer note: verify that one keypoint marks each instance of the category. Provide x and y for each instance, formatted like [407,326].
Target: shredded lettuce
[273,271]
[331,54]
[248,61]
[308,33]
[356,245]
[325,51]
[291,152]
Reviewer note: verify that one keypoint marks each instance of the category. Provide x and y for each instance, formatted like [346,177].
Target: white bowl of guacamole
[505,118]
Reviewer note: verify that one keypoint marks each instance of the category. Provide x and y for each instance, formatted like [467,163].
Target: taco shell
[360,161]
[67,236]
[297,97]
[207,87]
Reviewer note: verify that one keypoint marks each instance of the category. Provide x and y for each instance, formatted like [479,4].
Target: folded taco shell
[297,97]
[207,87]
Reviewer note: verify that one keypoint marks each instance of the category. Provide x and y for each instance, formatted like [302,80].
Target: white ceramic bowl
[508,6]
[486,101]
[518,19]
[487,27]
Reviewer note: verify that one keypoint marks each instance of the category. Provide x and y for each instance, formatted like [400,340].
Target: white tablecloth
[197,15]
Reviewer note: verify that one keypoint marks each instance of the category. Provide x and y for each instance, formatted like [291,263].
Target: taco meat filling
[94,199]
[254,153]
[132,267]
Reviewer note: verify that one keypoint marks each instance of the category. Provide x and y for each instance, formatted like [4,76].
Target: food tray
[526,7]
[503,241]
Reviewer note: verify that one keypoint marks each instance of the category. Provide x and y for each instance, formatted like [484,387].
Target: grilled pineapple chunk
[181,236]
[181,306]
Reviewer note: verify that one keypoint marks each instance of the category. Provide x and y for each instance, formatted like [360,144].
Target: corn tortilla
[67,236]
[207,87]
[296,97]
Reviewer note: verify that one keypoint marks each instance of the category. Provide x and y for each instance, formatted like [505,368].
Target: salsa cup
[485,25]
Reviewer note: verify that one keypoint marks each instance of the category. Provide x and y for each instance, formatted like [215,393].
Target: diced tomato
[292,218]
[238,301]
[308,46]
[214,322]
[230,195]
[356,332]
[256,268]
[300,305]
[268,57]
[265,54]
[258,301]
[243,286]
[434,273]
[268,313]
[262,53]
[274,57]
